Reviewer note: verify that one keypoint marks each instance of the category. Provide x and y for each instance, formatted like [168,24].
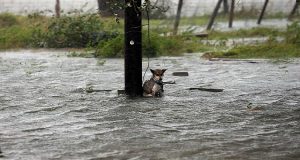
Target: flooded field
[45,112]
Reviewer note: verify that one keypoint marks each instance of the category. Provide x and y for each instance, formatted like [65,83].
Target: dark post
[177,19]
[212,18]
[57,9]
[133,48]
[231,13]
[294,9]
[262,12]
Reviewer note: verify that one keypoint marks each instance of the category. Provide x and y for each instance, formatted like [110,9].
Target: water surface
[46,114]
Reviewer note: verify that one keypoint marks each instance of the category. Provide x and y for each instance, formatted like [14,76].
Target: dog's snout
[160,78]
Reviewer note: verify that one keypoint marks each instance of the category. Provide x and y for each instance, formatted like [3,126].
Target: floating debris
[207,89]
[180,74]
[250,107]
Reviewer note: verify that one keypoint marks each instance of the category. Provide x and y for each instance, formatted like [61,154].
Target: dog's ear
[163,70]
[152,71]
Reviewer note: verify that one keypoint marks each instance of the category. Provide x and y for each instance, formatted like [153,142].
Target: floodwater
[45,112]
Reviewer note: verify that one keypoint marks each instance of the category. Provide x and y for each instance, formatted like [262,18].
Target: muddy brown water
[45,113]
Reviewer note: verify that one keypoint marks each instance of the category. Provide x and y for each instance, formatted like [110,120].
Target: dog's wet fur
[154,86]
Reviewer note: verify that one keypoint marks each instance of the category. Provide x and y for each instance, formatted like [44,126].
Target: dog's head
[157,74]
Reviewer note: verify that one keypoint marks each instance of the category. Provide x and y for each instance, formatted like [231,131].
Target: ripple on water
[44,117]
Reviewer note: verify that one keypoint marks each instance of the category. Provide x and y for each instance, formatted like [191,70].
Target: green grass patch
[104,37]
[253,32]
[15,37]
[265,51]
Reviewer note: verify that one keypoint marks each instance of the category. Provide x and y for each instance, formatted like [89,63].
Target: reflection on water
[44,115]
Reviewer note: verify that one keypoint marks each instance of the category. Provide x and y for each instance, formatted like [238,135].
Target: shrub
[8,20]
[111,48]
[293,33]
[157,46]
[77,31]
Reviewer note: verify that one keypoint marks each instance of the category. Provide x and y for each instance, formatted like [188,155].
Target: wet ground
[45,112]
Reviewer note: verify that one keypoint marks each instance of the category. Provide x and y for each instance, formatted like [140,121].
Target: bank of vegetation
[103,37]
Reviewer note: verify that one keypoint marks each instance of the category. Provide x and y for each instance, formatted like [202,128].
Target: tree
[177,19]
[57,8]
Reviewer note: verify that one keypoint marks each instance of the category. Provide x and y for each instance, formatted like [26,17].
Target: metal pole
[212,18]
[262,12]
[231,16]
[133,48]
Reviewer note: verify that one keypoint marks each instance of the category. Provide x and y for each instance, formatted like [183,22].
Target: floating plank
[207,89]
[180,74]
[97,90]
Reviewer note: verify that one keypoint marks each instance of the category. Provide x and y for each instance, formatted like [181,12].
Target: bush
[76,31]
[111,48]
[8,20]
[293,33]
[158,46]
[15,37]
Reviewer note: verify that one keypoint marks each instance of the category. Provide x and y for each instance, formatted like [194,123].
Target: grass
[264,51]
[36,31]
[289,48]
[253,32]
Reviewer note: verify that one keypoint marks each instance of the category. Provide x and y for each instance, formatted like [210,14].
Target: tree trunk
[133,48]
[214,15]
[57,9]
[262,12]
[177,19]
[231,16]
[225,5]
[294,9]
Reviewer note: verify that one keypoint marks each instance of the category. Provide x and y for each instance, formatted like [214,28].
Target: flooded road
[46,114]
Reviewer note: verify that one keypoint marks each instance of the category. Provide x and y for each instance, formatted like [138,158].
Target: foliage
[293,33]
[266,50]
[111,48]
[77,31]
[253,32]
[157,46]
[15,37]
[8,20]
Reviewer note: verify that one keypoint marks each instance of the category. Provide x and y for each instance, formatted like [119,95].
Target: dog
[154,86]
